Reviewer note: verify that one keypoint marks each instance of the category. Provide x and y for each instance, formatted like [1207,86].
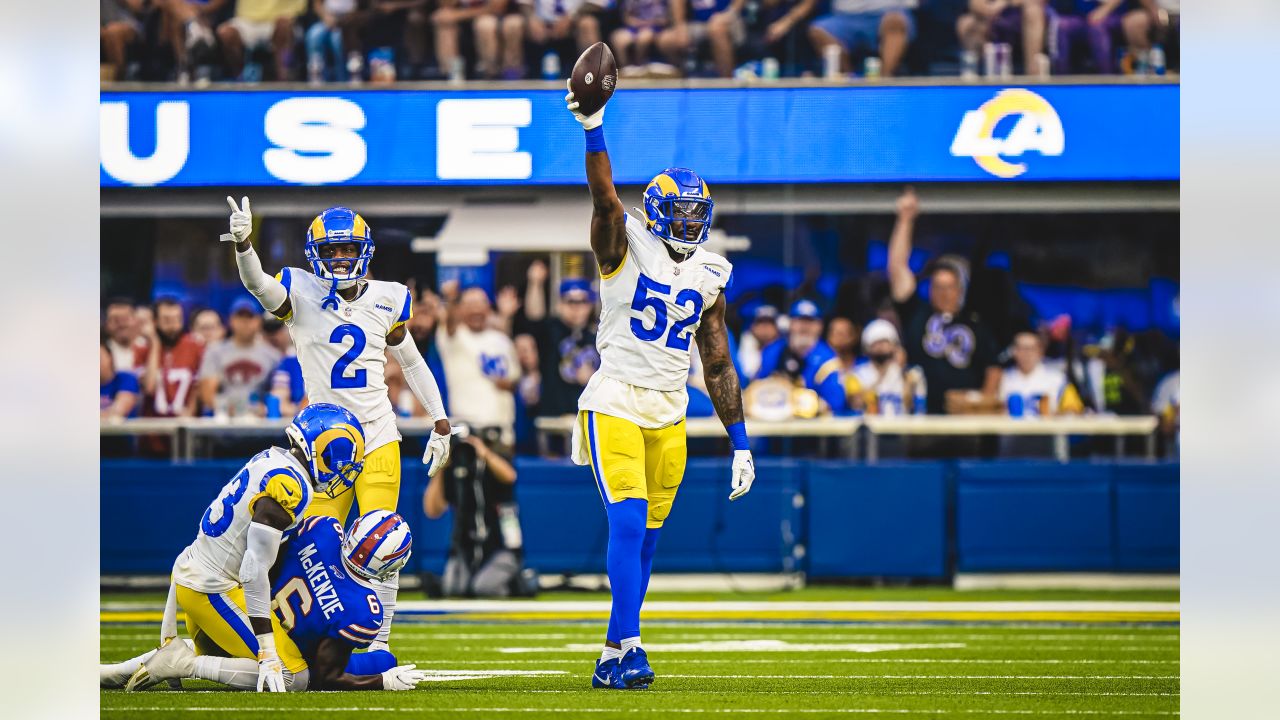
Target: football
[595,75]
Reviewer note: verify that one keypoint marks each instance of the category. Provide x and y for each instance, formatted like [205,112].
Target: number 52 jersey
[211,564]
[650,309]
[343,351]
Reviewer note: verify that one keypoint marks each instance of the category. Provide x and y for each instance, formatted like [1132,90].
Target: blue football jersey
[314,597]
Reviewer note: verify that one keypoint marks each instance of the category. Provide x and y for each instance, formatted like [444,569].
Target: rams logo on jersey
[1038,128]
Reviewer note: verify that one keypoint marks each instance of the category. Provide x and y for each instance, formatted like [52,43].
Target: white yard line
[794,661]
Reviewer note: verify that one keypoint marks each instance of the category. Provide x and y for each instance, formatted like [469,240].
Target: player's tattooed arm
[717,365]
[608,218]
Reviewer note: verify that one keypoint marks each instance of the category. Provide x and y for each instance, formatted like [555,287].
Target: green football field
[823,653]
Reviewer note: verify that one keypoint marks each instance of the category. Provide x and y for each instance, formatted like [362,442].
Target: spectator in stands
[486,550]
[207,327]
[170,360]
[120,26]
[402,24]
[632,42]
[567,354]
[842,336]
[1166,404]
[884,27]
[688,28]
[762,333]
[806,358]
[480,363]
[121,330]
[187,26]
[1017,22]
[481,18]
[261,24]
[770,28]
[1029,389]
[883,385]
[234,372]
[117,389]
[287,384]
[1101,26]
[335,30]
[559,26]
[950,343]
[528,392]
[1122,392]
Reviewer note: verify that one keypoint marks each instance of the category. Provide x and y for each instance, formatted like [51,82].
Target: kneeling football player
[221,580]
[324,607]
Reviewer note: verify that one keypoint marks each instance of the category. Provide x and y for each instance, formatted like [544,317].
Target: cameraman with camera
[486,556]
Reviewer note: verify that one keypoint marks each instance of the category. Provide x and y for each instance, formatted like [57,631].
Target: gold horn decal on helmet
[333,433]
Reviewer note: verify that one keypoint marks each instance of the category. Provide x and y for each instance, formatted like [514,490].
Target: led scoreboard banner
[786,134]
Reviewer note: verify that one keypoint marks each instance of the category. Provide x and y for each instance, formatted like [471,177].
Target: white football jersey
[343,352]
[888,388]
[650,309]
[211,563]
[1041,385]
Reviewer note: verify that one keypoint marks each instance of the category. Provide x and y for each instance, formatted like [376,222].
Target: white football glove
[404,677]
[270,669]
[589,122]
[437,453]
[744,473]
[241,221]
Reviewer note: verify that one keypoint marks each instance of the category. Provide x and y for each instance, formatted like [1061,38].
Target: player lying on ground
[343,326]
[659,290]
[325,606]
[221,579]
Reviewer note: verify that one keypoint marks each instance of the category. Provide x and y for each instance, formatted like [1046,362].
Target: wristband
[738,436]
[266,646]
[595,139]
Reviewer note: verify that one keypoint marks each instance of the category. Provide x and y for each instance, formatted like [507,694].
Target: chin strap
[330,301]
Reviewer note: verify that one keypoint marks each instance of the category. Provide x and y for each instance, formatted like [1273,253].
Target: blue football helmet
[678,205]
[332,441]
[339,225]
[378,545]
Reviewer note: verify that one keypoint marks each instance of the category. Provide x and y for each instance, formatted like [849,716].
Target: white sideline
[1066,581]
[783,606]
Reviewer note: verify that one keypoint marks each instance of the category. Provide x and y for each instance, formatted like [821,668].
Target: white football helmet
[377,545]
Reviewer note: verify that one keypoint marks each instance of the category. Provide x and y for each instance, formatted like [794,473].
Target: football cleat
[607,675]
[635,671]
[173,661]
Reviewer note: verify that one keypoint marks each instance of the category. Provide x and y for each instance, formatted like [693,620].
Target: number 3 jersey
[343,351]
[211,564]
[650,308]
[314,597]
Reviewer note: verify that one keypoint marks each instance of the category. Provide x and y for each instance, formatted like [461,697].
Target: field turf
[494,666]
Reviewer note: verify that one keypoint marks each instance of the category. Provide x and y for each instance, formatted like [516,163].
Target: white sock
[628,643]
[115,675]
[387,592]
[239,673]
[610,653]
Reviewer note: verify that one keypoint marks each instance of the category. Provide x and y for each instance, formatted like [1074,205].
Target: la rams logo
[1037,127]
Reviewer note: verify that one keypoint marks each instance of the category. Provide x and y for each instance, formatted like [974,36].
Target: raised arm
[902,282]
[726,397]
[608,218]
[270,292]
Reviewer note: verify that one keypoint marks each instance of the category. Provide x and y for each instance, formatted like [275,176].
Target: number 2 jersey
[650,308]
[314,597]
[211,564]
[343,351]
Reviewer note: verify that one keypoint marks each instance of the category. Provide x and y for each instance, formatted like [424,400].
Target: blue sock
[646,559]
[371,663]
[626,539]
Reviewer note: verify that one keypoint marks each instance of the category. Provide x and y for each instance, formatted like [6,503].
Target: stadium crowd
[388,40]
[949,340]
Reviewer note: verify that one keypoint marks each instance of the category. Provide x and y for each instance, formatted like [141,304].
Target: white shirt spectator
[470,360]
[242,370]
[888,387]
[1039,385]
[850,7]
